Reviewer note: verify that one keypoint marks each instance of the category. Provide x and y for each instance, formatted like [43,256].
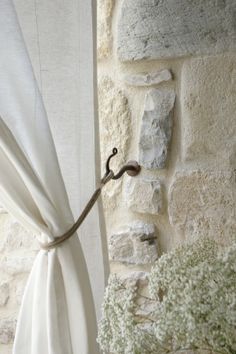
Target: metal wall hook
[132,167]
[114,152]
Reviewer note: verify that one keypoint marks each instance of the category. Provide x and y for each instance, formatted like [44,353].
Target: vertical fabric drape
[61,39]
[57,315]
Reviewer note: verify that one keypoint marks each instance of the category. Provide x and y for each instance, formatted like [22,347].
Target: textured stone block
[115,119]
[156,128]
[20,288]
[154,29]
[126,245]
[14,265]
[16,237]
[104,30]
[144,195]
[137,278]
[6,349]
[4,294]
[203,204]
[208,105]
[7,330]
[148,79]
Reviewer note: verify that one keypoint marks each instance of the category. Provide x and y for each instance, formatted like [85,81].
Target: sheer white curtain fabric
[57,314]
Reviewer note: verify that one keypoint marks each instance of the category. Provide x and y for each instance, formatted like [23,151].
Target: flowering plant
[191,304]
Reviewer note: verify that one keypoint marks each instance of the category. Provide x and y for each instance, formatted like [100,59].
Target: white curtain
[57,315]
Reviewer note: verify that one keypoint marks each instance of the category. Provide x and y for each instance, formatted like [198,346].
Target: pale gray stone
[146,308]
[104,31]
[115,121]
[6,349]
[208,107]
[14,265]
[4,294]
[144,195]
[20,288]
[148,79]
[153,29]
[126,245]
[156,128]
[17,237]
[138,278]
[7,330]
[203,203]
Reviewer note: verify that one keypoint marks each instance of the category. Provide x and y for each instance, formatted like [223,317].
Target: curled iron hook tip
[114,152]
[132,167]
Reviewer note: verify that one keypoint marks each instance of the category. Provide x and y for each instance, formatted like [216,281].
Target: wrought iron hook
[114,152]
[132,167]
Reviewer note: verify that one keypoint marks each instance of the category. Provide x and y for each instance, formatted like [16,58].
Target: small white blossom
[192,305]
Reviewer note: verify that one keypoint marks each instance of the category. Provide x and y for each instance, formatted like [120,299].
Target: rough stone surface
[144,195]
[16,237]
[152,29]
[208,108]
[115,118]
[4,294]
[19,289]
[203,204]
[7,330]
[6,349]
[138,278]
[104,30]
[156,128]
[148,79]
[17,253]
[14,264]
[126,245]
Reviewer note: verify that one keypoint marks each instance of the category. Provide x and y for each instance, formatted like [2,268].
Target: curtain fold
[57,315]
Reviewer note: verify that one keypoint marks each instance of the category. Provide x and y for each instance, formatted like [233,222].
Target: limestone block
[156,128]
[137,278]
[115,119]
[104,30]
[19,289]
[16,237]
[148,79]
[6,349]
[154,29]
[7,330]
[14,265]
[203,203]
[140,280]
[126,245]
[144,195]
[4,293]
[208,108]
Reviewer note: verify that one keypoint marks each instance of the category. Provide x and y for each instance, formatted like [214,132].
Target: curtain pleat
[57,315]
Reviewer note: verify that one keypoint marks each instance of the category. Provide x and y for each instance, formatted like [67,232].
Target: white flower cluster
[193,300]
[195,288]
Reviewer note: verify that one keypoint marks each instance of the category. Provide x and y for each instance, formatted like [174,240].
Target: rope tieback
[59,240]
[132,168]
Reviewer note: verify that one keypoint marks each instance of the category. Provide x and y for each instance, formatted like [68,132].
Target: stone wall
[17,252]
[167,83]
[167,86]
